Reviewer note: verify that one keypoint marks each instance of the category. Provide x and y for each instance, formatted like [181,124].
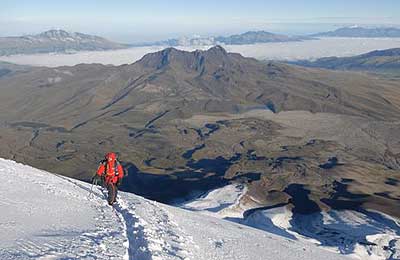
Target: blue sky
[141,20]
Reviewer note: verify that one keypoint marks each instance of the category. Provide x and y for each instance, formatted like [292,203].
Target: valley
[187,122]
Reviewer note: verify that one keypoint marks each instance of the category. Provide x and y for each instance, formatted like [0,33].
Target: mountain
[55,41]
[379,61]
[186,123]
[40,212]
[356,31]
[251,37]
[199,81]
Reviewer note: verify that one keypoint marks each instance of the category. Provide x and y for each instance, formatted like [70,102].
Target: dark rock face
[186,61]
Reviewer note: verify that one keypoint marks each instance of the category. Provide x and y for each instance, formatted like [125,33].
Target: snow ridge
[361,234]
[69,241]
[156,240]
[47,216]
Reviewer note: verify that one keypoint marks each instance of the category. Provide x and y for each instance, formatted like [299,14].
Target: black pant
[112,193]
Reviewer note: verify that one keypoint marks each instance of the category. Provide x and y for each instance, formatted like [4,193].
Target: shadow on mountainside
[203,175]
[339,232]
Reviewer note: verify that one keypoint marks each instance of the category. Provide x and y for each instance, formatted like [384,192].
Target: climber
[111,173]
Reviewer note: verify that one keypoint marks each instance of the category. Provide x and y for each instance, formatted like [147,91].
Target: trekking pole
[94,182]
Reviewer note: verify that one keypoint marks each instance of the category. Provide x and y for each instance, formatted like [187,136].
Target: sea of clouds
[312,49]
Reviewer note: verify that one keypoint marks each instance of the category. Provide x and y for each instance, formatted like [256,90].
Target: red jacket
[111,169]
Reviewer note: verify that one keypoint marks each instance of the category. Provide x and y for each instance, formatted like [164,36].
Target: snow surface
[364,235]
[222,202]
[312,49]
[47,216]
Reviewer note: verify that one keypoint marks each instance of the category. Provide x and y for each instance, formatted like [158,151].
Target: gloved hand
[119,182]
[95,178]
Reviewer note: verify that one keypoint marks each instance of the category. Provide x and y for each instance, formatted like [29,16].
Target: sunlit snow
[47,216]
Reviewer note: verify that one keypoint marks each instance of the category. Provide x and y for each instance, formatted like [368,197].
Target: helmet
[111,156]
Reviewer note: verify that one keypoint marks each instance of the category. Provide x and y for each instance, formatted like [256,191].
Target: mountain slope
[189,82]
[253,37]
[55,41]
[379,61]
[250,37]
[187,122]
[134,228]
[356,31]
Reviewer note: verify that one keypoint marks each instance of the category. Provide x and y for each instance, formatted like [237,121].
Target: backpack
[116,164]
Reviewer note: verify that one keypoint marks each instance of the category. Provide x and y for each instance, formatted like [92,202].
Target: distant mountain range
[361,32]
[55,41]
[379,61]
[250,37]
[62,41]
[258,37]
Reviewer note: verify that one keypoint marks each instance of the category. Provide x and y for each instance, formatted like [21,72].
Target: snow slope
[222,202]
[362,234]
[47,216]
